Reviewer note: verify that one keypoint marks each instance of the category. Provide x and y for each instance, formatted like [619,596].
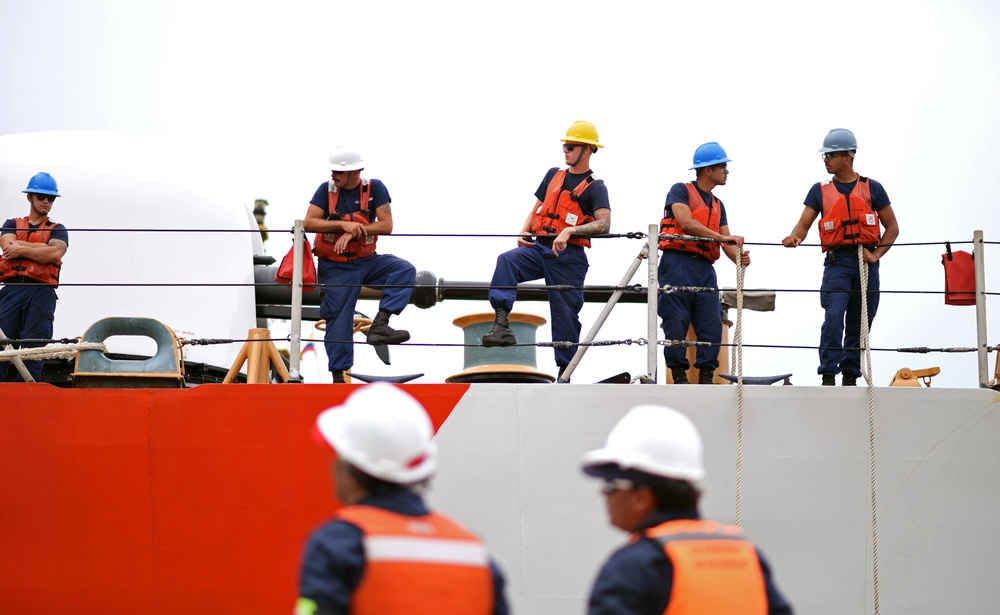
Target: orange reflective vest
[708,216]
[426,565]
[561,209]
[848,219]
[323,246]
[715,569]
[25,267]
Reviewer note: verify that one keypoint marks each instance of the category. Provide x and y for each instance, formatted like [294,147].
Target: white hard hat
[346,159]
[384,432]
[655,440]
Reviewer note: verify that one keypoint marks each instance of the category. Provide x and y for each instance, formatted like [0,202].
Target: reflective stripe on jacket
[323,246]
[715,569]
[25,267]
[561,209]
[427,565]
[710,217]
[848,219]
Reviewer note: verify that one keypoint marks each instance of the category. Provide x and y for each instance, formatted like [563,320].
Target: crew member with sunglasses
[348,213]
[570,206]
[852,208]
[33,247]
[691,209]
[675,561]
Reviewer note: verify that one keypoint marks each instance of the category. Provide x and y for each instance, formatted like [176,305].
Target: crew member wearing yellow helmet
[570,206]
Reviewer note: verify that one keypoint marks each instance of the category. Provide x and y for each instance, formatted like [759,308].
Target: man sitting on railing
[348,213]
[570,206]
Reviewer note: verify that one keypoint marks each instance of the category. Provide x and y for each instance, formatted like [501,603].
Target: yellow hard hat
[582,132]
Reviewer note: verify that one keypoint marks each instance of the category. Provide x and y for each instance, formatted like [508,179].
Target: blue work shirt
[350,200]
[593,198]
[58,231]
[880,199]
[679,194]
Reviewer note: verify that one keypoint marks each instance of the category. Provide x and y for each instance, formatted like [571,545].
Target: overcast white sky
[460,107]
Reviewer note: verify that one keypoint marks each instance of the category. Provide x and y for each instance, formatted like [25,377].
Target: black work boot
[706,375]
[562,368]
[829,380]
[381,333]
[679,374]
[849,380]
[501,335]
[338,376]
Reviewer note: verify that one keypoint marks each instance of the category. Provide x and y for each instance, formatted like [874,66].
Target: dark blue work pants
[339,302]
[538,261]
[678,310]
[26,312]
[840,296]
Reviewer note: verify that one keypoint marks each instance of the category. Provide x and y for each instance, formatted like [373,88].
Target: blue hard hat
[708,154]
[42,183]
[839,140]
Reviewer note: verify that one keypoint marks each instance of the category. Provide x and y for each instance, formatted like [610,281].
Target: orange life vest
[715,570]
[323,246]
[848,219]
[561,209]
[425,565]
[710,217]
[25,267]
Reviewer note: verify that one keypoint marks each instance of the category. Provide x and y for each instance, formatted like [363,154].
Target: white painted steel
[510,471]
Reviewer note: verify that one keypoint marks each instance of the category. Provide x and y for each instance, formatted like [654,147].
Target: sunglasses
[340,172]
[569,147]
[830,155]
[45,197]
[616,484]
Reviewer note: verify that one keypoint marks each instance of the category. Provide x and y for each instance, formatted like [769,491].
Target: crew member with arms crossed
[33,247]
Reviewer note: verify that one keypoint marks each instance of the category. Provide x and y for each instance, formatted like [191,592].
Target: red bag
[959,278]
[284,274]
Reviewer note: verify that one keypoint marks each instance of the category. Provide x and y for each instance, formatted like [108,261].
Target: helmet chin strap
[579,156]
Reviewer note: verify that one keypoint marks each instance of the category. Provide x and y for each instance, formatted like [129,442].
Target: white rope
[738,364]
[866,366]
[52,351]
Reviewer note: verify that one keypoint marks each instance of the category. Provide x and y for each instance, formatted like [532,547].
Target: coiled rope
[867,372]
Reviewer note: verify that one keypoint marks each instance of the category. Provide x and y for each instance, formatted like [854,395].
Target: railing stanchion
[603,316]
[294,350]
[981,341]
[652,296]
